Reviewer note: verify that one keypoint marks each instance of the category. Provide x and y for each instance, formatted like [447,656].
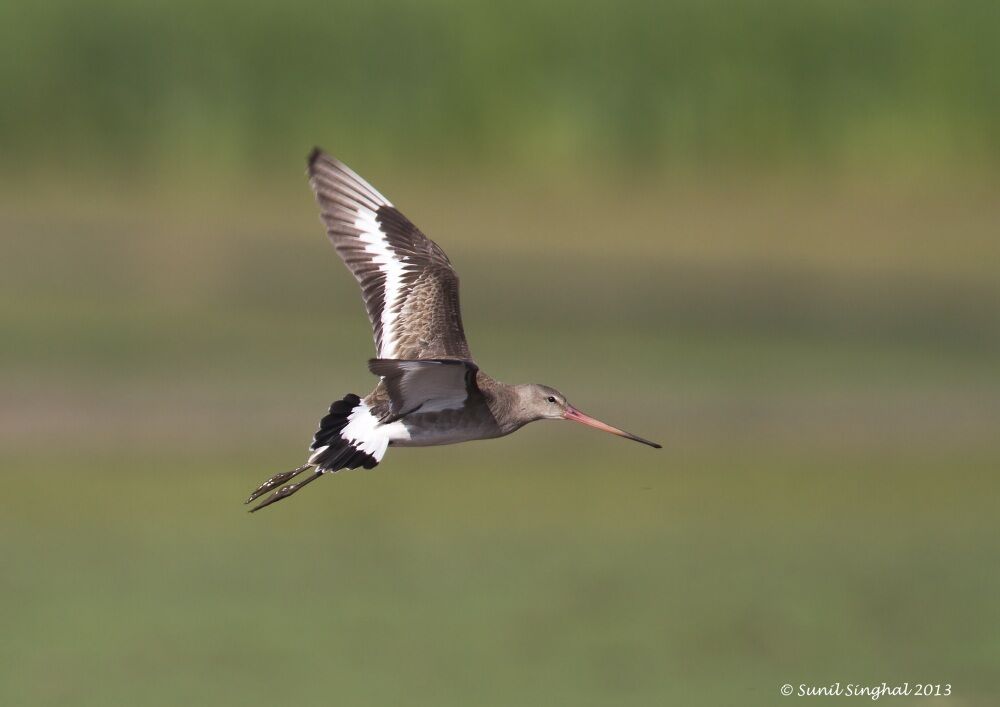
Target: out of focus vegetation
[763,233]
[678,83]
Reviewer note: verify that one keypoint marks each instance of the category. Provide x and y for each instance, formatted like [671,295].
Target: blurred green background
[763,233]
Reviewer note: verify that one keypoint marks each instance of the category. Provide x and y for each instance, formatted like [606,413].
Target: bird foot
[285,492]
[276,480]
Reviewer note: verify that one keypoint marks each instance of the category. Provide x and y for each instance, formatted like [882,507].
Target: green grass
[150,88]
[552,574]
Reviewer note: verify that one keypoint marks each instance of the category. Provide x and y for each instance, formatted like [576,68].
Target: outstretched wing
[408,284]
[428,385]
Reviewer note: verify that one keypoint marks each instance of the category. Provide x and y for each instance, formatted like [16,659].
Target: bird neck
[510,406]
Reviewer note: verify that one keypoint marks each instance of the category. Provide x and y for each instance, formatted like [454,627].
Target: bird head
[541,402]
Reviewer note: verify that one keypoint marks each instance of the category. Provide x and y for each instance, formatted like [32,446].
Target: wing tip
[320,162]
[314,155]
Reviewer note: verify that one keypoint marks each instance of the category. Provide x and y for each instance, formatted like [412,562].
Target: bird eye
[551,399]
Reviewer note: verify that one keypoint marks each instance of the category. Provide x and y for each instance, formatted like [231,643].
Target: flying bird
[430,390]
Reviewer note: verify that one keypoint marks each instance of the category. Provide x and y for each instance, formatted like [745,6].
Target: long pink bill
[576,416]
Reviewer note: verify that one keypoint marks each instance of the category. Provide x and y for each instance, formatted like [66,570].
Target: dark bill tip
[576,416]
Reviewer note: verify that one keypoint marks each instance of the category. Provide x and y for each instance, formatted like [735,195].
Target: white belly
[443,427]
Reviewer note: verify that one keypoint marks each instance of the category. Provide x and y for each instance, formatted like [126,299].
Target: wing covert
[427,385]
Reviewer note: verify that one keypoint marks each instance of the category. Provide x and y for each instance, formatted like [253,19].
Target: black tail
[331,450]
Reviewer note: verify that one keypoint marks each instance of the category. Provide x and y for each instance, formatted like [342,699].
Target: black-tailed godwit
[430,390]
